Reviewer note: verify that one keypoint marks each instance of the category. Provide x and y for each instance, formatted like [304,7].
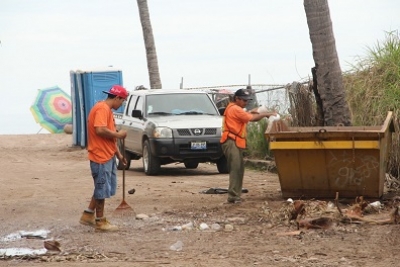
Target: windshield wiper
[191,113]
[160,113]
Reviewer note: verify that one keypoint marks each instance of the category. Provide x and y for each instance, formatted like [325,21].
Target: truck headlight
[162,132]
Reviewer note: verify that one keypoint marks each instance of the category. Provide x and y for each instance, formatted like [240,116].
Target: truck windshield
[179,104]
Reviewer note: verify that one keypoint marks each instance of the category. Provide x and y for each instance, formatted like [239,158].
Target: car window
[139,104]
[131,105]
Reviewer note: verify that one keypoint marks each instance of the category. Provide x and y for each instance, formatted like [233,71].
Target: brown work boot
[104,225]
[88,218]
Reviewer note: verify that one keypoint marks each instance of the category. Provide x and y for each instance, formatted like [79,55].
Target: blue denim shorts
[104,178]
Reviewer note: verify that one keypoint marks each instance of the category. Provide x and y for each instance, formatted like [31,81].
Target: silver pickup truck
[169,126]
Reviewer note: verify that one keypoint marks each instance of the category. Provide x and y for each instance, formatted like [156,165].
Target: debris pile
[317,214]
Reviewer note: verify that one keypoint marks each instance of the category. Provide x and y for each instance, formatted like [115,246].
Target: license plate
[198,145]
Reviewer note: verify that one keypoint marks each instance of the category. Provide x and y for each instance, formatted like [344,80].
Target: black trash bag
[217,190]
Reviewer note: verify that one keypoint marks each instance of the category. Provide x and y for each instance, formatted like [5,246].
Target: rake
[124,207]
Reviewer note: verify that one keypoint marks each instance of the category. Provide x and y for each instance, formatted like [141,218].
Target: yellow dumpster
[320,161]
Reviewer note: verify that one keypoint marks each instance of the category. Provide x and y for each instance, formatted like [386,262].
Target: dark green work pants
[234,157]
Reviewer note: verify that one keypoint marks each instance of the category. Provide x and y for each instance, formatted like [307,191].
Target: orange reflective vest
[234,125]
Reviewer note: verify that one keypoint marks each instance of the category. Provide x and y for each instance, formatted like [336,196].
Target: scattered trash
[39,234]
[142,216]
[52,245]
[228,227]
[11,252]
[187,226]
[216,227]
[373,207]
[271,119]
[132,191]
[204,226]
[217,190]
[49,245]
[177,228]
[292,233]
[318,223]
[176,246]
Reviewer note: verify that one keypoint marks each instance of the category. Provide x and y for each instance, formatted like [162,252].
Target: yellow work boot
[88,218]
[104,225]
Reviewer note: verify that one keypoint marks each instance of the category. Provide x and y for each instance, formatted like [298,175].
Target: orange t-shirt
[234,125]
[101,149]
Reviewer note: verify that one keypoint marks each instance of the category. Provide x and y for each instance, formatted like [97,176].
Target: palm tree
[151,54]
[329,75]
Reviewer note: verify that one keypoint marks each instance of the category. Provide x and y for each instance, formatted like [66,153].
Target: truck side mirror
[221,110]
[137,113]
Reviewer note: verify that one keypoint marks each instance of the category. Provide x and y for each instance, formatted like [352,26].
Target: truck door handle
[130,123]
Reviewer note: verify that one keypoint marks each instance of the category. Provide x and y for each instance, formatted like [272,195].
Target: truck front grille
[191,132]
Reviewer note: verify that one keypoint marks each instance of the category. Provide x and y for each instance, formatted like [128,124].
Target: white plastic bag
[271,119]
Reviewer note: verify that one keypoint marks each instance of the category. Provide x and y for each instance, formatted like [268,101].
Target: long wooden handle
[123,169]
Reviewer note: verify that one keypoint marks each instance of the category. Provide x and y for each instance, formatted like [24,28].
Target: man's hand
[121,158]
[269,114]
[121,134]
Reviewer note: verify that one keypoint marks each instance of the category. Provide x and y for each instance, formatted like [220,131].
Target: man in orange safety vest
[234,139]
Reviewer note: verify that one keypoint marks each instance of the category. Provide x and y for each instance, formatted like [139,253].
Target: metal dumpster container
[320,161]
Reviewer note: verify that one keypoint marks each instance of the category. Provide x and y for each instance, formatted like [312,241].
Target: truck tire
[222,165]
[120,166]
[151,164]
[191,164]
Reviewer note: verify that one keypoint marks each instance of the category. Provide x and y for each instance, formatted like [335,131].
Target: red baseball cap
[118,90]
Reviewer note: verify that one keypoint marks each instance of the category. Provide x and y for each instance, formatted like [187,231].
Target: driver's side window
[131,105]
[139,104]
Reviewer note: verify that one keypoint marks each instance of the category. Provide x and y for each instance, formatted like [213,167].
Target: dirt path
[46,183]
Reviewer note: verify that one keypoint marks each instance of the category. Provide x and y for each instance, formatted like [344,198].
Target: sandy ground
[46,184]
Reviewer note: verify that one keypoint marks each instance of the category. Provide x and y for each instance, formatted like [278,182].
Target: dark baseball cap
[243,94]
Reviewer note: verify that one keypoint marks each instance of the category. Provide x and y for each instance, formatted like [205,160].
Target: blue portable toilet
[87,88]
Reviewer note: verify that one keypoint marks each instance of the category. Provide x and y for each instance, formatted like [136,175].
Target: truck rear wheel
[222,165]
[151,164]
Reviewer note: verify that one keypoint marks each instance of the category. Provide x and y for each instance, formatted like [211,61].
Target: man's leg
[234,159]
[88,215]
[100,208]
[104,180]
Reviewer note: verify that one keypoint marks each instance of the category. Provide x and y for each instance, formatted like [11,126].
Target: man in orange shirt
[234,131]
[102,150]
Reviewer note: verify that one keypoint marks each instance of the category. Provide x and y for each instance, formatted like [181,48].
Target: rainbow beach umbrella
[52,109]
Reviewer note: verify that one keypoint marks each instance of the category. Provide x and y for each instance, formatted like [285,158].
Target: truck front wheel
[120,166]
[151,164]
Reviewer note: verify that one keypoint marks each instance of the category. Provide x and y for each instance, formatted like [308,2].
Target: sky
[202,42]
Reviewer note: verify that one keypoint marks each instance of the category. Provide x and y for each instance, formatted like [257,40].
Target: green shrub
[373,88]
[257,144]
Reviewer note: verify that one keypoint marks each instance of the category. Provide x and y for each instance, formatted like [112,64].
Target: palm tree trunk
[329,75]
[151,54]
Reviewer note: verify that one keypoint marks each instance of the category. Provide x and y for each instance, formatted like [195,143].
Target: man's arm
[259,116]
[103,131]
